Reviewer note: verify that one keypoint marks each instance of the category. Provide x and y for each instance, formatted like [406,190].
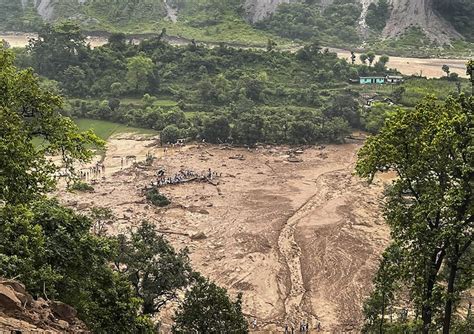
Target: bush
[81,186]
[157,199]
[170,134]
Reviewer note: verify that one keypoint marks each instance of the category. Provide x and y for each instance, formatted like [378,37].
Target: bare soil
[427,67]
[300,240]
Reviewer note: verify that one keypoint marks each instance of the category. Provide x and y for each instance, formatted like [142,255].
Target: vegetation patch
[154,196]
[81,186]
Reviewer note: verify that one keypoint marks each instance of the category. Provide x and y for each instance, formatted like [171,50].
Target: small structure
[371,80]
[394,79]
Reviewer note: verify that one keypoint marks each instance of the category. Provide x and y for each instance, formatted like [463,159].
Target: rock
[63,311]
[8,299]
[203,212]
[198,236]
[20,313]
[63,324]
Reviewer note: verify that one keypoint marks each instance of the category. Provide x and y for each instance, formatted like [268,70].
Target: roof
[394,76]
[371,77]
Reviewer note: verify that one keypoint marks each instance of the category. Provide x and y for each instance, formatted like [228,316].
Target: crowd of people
[183,176]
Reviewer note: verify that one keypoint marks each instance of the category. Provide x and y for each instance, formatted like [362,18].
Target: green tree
[216,129]
[363,58]
[26,111]
[155,269]
[170,134]
[58,47]
[429,207]
[208,309]
[470,73]
[139,68]
[446,70]
[370,57]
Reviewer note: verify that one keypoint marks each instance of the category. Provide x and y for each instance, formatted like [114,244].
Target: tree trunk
[382,315]
[448,307]
[427,309]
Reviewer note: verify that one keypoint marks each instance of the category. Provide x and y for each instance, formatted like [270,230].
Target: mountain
[354,22]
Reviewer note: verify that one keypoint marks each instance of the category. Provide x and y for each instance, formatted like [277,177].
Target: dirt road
[300,240]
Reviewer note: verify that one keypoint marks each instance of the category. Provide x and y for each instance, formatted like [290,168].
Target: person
[286,329]
[121,163]
[319,327]
[292,329]
[254,324]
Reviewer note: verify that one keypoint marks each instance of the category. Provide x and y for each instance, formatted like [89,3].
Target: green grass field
[105,129]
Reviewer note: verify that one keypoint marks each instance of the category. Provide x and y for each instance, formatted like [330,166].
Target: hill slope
[352,22]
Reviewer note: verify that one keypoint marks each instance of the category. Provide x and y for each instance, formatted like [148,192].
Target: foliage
[170,134]
[216,129]
[336,23]
[208,309]
[429,206]
[138,70]
[156,198]
[459,14]
[373,118]
[51,250]
[27,111]
[155,269]
[222,88]
[378,14]
[81,186]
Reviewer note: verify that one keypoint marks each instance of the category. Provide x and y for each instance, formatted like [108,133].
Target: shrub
[154,197]
[81,186]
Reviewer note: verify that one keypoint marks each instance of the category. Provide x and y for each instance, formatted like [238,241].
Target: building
[394,79]
[389,79]
[371,80]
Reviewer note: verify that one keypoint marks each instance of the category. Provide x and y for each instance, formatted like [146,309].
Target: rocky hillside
[20,312]
[440,21]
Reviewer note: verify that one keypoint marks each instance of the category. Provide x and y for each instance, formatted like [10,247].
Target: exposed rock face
[20,312]
[258,10]
[406,13]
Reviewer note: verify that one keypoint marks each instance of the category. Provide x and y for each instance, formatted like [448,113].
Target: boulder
[8,299]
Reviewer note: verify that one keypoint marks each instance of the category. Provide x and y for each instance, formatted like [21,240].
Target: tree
[470,73]
[117,41]
[46,246]
[353,57]
[208,309]
[170,134]
[26,111]
[429,207]
[58,47]
[139,68]
[216,129]
[155,269]
[370,57]
[446,70]
[271,44]
[380,65]
[363,58]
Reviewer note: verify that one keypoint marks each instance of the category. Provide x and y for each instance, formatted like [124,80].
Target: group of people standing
[93,172]
[183,176]
[290,329]
[304,328]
